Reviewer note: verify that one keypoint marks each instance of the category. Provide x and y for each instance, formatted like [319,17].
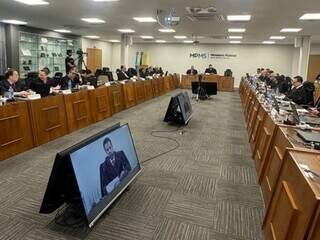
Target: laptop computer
[297,119]
[309,136]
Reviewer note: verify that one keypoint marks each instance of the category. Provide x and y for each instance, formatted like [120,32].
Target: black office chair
[309,89]
[228,73]
[31,76]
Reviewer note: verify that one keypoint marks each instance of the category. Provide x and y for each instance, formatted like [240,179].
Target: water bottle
[11,93]
[69,84]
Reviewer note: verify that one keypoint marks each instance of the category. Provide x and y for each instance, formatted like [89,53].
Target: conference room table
[288,171]
[223,83]
[25,124]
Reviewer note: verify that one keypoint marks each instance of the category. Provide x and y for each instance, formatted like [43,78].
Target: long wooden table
[30,123]
[223,83]
[291,198]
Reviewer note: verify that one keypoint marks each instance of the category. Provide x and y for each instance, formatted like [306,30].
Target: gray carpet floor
[205,189]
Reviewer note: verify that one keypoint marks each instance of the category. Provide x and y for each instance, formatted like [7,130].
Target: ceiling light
[62,30]
[238,30]
[126,30]
[33,2]
[235,37]
[146,37]
[310,16]
[268,42]
[239,17]
[92,37]
[114,41]
[15,22]
[145,19]
[277,37]
[161,41]
[93,20]
[167,30]
[105,0]
[180,37]
[188,41]
[234,42]
[290,29]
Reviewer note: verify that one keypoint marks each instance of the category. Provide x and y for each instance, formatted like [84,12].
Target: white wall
[176,57]
[105,46]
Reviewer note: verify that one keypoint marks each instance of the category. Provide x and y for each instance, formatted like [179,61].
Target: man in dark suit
[42,85]
[211,70]
[11,81]
[114,169]
[70,80]
[192,71]
[297,93]
[122,74]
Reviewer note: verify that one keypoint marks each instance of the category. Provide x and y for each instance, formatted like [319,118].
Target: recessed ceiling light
[235,37]
[167,30]
[268,42]
[277,37]
[145,19]
[310,16]
[161,41]
[126,30]
[234,42]
[239,17]
[15,22]
[114,41]
[180,37]
[106,0]
[188,41]
[238,30]
[93,20]
[62,30]
[92,37]
[146,37]
[33,2]
[290,29]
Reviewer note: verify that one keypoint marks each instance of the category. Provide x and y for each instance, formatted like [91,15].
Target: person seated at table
[11,85]
[210,70]
[42,85]
[88,77]
[71,80]
[150,71]
[192,71]
[297,92]
[122,73]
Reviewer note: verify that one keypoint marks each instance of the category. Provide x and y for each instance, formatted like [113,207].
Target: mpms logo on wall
[211,55]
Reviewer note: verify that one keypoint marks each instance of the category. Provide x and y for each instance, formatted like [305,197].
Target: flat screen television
[179,109]
[93,173]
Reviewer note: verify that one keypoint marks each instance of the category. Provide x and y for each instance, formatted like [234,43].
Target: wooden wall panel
[100,104]
[139,91]
[155,87]
[129,94]
[48,118]
[226,84]
[15,127]
[148,89]
[117,98]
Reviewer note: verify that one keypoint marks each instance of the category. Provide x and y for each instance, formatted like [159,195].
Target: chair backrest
[309,89]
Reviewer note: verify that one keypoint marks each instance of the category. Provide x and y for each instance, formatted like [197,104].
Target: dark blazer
[42,88]
[108,172]
[122,76]
[65,80]
[211,71]
[190,72]
[297,95]
[5,85]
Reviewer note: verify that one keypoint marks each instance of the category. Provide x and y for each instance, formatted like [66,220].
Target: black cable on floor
[163,137]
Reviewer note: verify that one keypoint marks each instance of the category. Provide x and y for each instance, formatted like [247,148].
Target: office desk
[223,83]
[292,212]
[148,89]
[48,118]
[226,84]
[140,92]
[129,94]
[116,97]
[100,103]
[15,125]
[186,81]
[77,110]
[155,87]
[167,83]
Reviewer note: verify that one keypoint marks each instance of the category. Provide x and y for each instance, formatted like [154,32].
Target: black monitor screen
[185,106]
[103,169]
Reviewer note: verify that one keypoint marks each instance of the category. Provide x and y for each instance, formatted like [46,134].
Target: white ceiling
[268,17]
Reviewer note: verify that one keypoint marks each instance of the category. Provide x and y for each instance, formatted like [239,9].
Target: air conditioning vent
[203,14]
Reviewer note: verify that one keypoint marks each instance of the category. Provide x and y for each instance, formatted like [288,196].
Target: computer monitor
[93,173]
[179,109]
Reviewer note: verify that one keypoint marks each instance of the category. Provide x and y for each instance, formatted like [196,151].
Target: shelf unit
[38,51]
